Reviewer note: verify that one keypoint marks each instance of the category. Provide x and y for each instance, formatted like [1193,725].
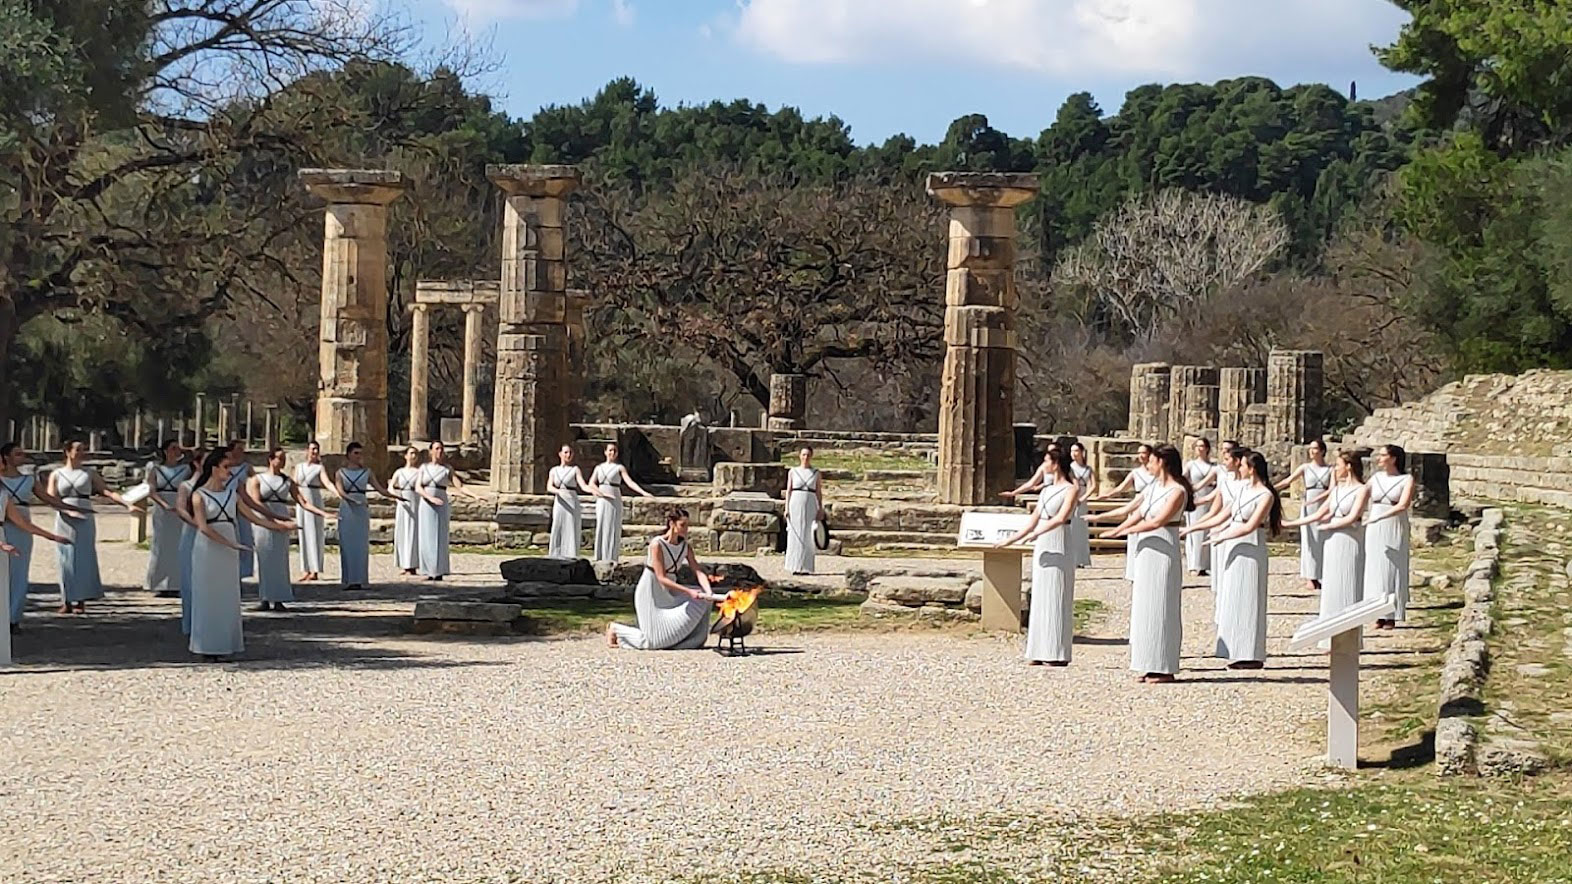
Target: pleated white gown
[79,579]
[273,583]
[608,512]
[1143,480]
[313,528]
[665,621]
[802,510]
[187,548]
[567,520]
[1318,480]
[1241,594]
[1386,543]
[1050,630]
[163,561]
[354,528]
[406,515]
[432,521]
[1080,531]
[1156,622]
[1228,489]
[215,580]
[19,568]
[1342,556]
[243,534]
[1194,544]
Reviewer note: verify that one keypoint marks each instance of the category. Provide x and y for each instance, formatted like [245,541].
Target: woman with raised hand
[1339,520]
[406,513]
[1156,618]
[1242,587]
[564,483]
[605,486]
[670,616]
[435,511]
[354,482]
[163,479]
[313,528]
[1050,628]
[75,485]
[1316,474]
[279,497]
[1386,531]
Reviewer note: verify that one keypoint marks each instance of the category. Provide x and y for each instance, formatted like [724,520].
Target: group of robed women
[1214,519]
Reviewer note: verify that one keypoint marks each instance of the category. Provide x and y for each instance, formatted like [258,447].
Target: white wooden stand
[1342,700]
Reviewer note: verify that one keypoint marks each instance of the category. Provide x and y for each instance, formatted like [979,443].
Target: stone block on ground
[917,591]
[768,478]
[882,610]
[1426,532]
[539,569]
[859,579]
[745,522]
[1455,740]
[619,573]
[488,612]
[724,575]
[750,502]
[1505,757]
[540,590]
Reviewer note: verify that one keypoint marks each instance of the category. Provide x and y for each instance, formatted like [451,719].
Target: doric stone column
[977,399]
[419,371]
[269,426]
[1237,390]
[530,413]
[788,401]
[474,315]
[1293,395]
[352,383]
[1149,389]
[201,422]
[226,422]
[1192,402]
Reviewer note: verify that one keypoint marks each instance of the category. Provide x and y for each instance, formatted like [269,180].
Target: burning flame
[738,600]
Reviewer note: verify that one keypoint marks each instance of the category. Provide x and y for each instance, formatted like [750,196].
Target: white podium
[1342,706]
[1001,601]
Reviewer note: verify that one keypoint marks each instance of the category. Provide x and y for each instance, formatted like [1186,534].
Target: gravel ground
[340,749]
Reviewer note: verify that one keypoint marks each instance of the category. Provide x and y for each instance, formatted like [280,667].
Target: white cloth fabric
[406,538]
[243,534]
[1156,624]
[1051,626]
[1228,489]
[163,560]
[1241,592]
[1386,543]
[272,547]
[19,489]
[608,511]
[79,578]
[1342,556]
[215,580]
[802,510]
[1194,544]
[1080,531]
[567,520]
[1318,480]
[1143,480]
[354,527]
[313,528]
[432,521]
[665,621]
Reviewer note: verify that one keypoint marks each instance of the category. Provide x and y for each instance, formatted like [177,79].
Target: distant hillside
[1388,109]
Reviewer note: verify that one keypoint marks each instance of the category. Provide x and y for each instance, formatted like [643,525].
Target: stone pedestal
[352,387]
[419,371]
[788,401]
[1237,390]
[1192,402]
[1293,395]
[977,398]
[1150,383]
[530,413]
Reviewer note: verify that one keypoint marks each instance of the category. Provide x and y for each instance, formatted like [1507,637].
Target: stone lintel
[523,179]
[457,291]
[376,187]
[998,189]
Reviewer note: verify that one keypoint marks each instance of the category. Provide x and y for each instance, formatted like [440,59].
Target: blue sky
[888,66]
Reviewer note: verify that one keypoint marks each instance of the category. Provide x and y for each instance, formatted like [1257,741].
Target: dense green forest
[155,240]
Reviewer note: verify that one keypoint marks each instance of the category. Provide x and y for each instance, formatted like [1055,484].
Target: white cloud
[623,12]
[1166,38]
[496,10]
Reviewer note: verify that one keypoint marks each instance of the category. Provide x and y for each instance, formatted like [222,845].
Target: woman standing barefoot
[14,515]
[1386,531]
[1156,621]
[606,487]
[1050,628]
[567,520]
[804,504]
[406,536]
[163,561]
[75,486]
[1086,483]
[22,488]
[279,496]
[435,510]
[354,481]
[670,616]
[1316,474]
[313,528]
[215,569]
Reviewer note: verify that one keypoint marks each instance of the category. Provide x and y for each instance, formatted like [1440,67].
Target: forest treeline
[156,241]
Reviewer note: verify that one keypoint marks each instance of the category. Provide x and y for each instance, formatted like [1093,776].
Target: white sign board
[1353,617]
[984,530]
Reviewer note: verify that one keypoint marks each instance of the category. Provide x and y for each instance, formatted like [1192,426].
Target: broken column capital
[1004,190]
[376,187]
[523,179]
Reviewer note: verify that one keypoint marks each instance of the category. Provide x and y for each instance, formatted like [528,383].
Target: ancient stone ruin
[1268,409]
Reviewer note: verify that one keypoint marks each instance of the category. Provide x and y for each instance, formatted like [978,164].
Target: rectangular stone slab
[486,612]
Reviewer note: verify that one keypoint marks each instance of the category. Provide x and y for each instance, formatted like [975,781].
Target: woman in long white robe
[1386,532]
[1086,481]
[240,473]
[1231,479]
[215,570]
[804,506]
[163,561]
[313,528]
[670,616]
[1156,616]
[406,513]
[1316,474]
[188,534]
[1340,522]
[354,482]
[1050,630]
[1202,475]
[1242,588]
[14,515]
[22,488]
[279,497]
[75,486]
[564,483]
[605,485]
[434,512]
[1136,480]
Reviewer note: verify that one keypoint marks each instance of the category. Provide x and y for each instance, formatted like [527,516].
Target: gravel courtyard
[340,749]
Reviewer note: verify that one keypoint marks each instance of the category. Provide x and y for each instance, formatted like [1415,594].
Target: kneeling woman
[671,616]
[215,565]
[1049,630]
[1241,593]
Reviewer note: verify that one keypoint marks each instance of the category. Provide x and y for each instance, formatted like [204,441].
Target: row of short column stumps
[1281,403]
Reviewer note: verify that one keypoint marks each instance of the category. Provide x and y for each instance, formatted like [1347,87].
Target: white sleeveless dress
[406,536]
[567,520]
[19,568]
[313,528]
[1194,547]
[1386,543]
[277,497]
[354,527]
[802,510]
[187,547]
[432,521]
[1080,531]
[1342,555]
[666,621]
[608,512]
[163,560]
[79,579]
[1318,480]
[1229,490]
[243,536]
[215,579]
[1143,480]
[1241,593]
[1156,623]
[1050,628]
